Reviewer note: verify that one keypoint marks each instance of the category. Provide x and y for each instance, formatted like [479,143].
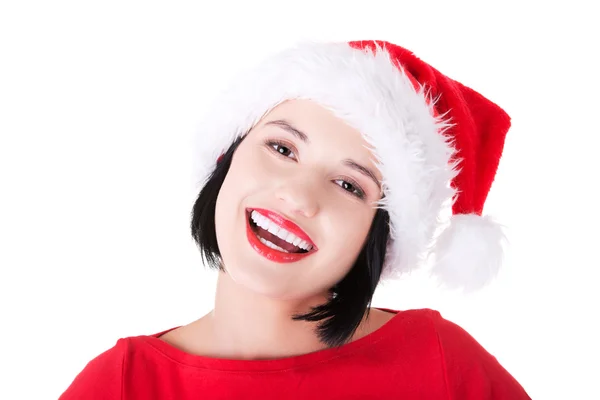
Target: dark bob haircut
[349,299]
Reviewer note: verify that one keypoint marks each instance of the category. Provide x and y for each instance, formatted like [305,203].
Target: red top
[415,355]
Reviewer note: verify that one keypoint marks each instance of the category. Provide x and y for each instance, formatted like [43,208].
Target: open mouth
[278,239]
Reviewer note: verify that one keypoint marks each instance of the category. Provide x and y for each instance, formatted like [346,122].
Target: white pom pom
[468,253]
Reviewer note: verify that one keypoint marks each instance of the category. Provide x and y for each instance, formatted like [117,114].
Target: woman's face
[309,183]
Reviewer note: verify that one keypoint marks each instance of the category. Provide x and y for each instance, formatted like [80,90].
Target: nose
[299,197]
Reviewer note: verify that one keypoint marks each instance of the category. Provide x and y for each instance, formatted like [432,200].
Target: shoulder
[456,344]
[101,378]
[470,371]
[111,360]
[419,320]
[453,357]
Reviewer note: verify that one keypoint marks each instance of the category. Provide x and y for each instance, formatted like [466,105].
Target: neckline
[279,364]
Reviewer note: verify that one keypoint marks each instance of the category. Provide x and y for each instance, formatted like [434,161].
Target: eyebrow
[288,127]
[363,170]
[285,125]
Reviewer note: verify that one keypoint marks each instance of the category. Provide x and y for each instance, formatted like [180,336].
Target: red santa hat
[437,144]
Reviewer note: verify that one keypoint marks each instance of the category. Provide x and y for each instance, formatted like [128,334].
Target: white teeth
[272,245]
[273,229]
[278,231]
[304,245]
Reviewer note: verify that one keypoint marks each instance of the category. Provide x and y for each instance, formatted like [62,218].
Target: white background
[98,102]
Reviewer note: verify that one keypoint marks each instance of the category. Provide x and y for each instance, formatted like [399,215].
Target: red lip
[269,253]
[285,224]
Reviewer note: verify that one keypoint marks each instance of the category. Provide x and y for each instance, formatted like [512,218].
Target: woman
[323,172]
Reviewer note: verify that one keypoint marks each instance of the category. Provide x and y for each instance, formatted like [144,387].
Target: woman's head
[437,144]
[307,165]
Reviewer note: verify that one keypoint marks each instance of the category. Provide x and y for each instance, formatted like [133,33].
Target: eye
[352,187]
[280,147]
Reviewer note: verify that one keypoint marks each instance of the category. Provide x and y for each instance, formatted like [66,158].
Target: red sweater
[416,355]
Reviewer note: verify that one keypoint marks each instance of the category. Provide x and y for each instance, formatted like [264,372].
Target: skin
[307,184]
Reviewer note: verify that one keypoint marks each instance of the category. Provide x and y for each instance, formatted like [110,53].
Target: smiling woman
[309,196]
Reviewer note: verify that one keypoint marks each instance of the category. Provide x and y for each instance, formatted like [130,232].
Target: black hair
[349,299]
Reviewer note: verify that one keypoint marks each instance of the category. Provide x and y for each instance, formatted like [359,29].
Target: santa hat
[437,144]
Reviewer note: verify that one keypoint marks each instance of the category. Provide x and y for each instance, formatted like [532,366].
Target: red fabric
[416,355]
[480,126]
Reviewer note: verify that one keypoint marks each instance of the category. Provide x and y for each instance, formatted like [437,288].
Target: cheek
[349,231]
[241,181]
[250,166]
[223,217]
[346,236]
[242,176]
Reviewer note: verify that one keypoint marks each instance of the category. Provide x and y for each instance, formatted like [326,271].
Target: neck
[248,325]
